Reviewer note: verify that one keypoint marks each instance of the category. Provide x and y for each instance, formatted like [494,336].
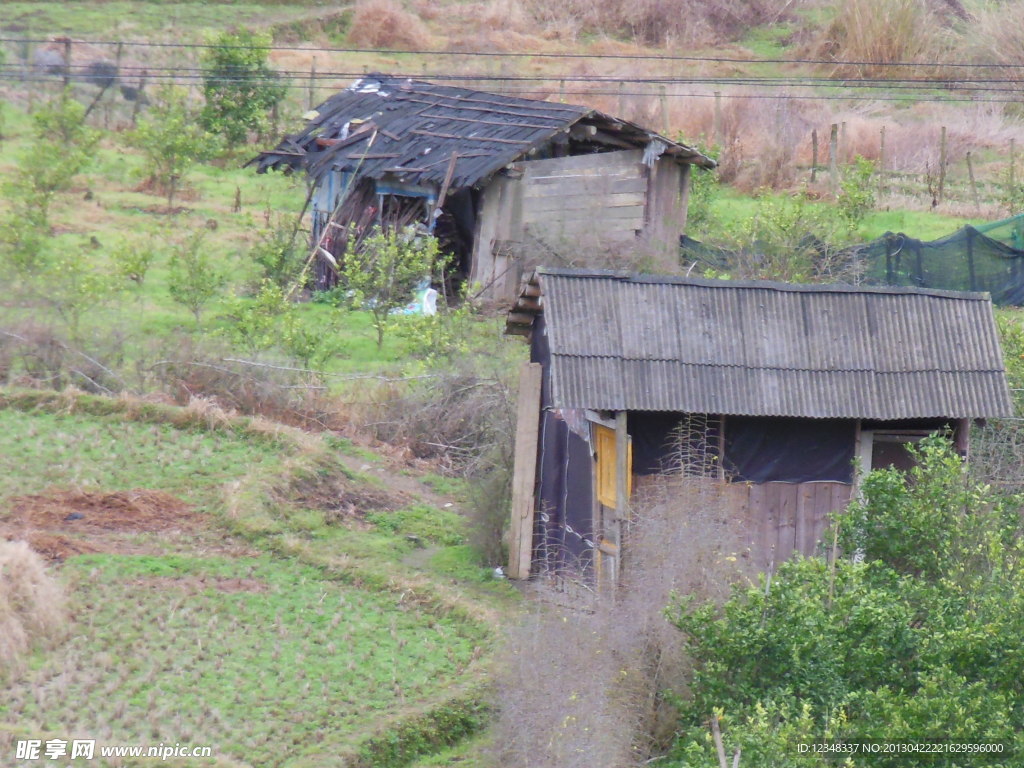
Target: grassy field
[274,649]
[268,660]
[59,450]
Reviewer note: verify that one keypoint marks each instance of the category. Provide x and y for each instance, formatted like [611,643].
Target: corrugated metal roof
[385,126]
[635,342]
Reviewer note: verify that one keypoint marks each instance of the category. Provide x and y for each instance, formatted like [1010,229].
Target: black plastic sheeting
[767,449]
[659,441]
[565,497]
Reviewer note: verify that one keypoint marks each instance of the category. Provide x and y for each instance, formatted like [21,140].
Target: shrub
[386,24]
[239,86]
[171,141]
[194,281]
[279,252]
[61,146]
[856,192]
[386,269]
[911,644]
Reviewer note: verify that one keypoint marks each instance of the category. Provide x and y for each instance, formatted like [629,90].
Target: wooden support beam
[520,318]
[520,550]
[614,533]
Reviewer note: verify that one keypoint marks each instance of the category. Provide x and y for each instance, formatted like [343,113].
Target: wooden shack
[781,393]
[501,180]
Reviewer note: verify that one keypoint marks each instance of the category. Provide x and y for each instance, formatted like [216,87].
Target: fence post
[716,128]
[942,163]
[833,151]
[67,62]
[881,163]
[814,154]
[622,100]
[1013,161]
[312,83]
[139,96]
[974,186]
[663,97]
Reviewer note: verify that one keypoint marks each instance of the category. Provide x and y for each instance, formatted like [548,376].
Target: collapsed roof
[420,133]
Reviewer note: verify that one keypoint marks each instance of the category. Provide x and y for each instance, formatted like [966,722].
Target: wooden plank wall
[779,519]
[785,518]
[600,196]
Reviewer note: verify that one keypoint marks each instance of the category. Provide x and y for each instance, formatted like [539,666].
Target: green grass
[423,522]
[40,450]
[730,208]
[453,487]
[267,660]
[127,20]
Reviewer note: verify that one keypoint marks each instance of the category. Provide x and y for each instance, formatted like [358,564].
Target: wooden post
[139,96]
[833,160]
[942,163]
[67,62]
[881,162]
[622,99]
[561,91]
[520,550]
[1013,161]
[814,154]
[663,97]
[717,126]
[621,493]
[312,84]
[974,185]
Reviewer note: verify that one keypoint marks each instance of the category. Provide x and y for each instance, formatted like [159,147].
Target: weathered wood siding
[578,204]
[594,196]
[783,518]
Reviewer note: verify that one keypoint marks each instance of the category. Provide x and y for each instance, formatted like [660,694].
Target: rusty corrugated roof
[416,127]
[650,343]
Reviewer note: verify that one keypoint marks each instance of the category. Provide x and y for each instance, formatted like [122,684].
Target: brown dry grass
[658,22]
[880,32]
[32,606]
[386,24]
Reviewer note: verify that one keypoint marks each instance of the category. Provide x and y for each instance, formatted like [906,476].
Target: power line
[522,55]
[302,80]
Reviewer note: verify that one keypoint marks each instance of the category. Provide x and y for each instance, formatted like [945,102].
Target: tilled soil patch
[62,523]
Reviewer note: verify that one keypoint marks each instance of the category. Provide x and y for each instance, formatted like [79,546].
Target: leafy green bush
[856,197]
[171,141]
[239,86]
[194,280]
[919,642]
[387,268]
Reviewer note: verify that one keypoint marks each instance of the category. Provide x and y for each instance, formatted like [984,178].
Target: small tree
[61,147]
[239,86]
[171,141]
[279,253]
[386,270]
[193,281]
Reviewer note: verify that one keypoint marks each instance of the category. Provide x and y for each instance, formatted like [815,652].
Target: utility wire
[522,55]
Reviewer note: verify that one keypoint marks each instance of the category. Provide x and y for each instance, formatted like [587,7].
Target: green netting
[1008,231]
[985,258]
[967,260]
